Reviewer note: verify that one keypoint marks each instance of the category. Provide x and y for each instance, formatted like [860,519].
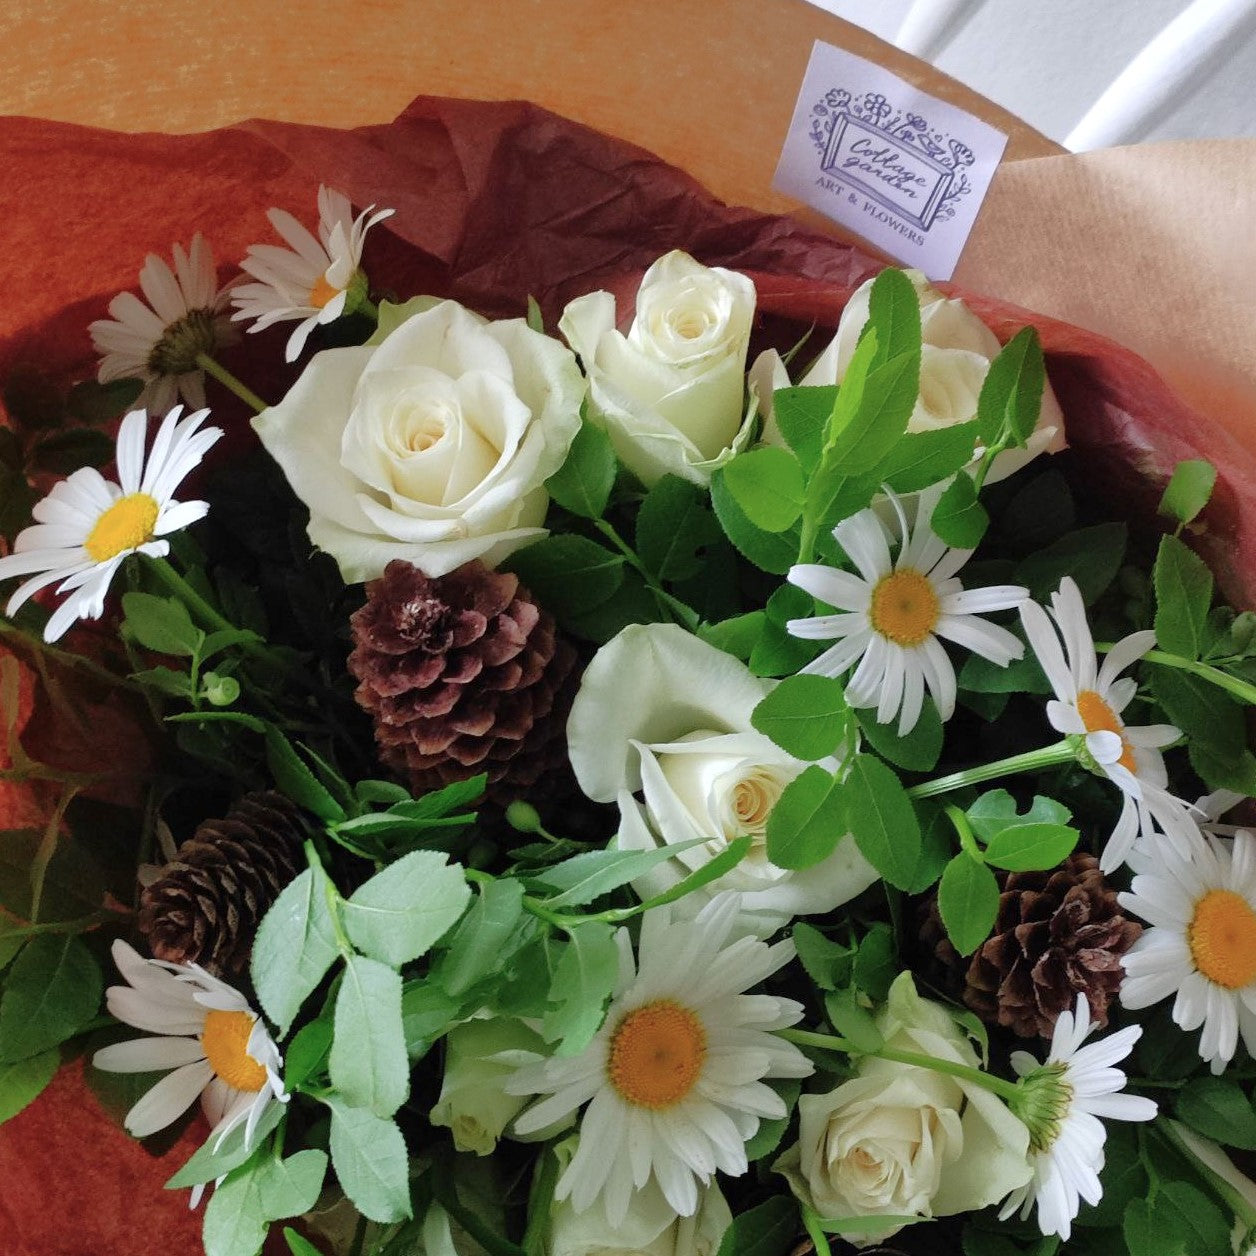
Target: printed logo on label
[899,167]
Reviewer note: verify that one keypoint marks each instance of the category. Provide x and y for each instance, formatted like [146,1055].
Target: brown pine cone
[206,905]
[1058,934]
[462,674]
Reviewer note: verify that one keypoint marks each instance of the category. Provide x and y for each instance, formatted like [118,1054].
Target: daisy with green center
[161,342]
[315,280]
[1061,1102]
[1087,708]
[1201,947]
[87,525]
[217,1046]
[674,1078]
[893,616]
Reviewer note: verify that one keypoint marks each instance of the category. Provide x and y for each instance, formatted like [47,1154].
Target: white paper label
[901,168]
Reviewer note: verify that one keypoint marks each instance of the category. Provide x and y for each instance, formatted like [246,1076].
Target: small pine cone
[1058,934]
[462,674]
[206,905]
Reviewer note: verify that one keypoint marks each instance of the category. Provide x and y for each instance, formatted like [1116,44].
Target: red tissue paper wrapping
[495,202]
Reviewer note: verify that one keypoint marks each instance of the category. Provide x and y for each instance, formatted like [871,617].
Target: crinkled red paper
[494,201]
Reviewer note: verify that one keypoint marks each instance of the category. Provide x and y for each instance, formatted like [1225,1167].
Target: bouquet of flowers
[716,761]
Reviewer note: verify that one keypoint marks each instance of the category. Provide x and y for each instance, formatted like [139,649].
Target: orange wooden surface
[708,84]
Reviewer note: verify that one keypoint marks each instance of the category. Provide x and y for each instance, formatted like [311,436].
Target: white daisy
[1061,1103]
[159,342]
[313,279]
[673,1078]
[87,525]
[893,613]
[216,1044]
[1201,947]
[1088,703]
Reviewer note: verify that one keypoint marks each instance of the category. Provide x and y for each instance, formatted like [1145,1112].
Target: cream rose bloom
[955,358]
[661,712]
[651,1227]
[902,1141]
[432,446]
[671,392]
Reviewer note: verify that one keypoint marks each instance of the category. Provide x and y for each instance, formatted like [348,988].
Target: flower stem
[686,616]
[811,1223]
[212,367]
[63,658]
[209,616]
[1030,761]
[1244,690]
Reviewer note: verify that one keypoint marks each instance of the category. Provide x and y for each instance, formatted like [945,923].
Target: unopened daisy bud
[523,817]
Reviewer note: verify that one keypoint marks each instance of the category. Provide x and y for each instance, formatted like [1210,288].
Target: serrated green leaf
[853,1021]
[297,1245]
[717,866]
[294,778]
[806,716]
[51,992]
[306,1054]
[674,528]
[368,1063]
[23,1080]
[876,963]
[211,1160]
[1031,847]
[581,988]
[859,441]
[768,1230]
[161,623]
[290,1187]
[568,575]
[1092,556]
[583,483]
[921,459]
[807,822]
[894,314]
[769,551]
[369,1156]
[882,820]
[918,751]
[1188,490]
[479,945]
[234,1224]
[736,636]
[968,898]
[1219,1109]
[426,1013]
[1011,395]
[69,448]
[1183,587]
[771,1130]
[94,402]
[801,415]
[829,964]
[294,947]
[959,518]
[996,810]
[587,876]
[401,912]
[768,484]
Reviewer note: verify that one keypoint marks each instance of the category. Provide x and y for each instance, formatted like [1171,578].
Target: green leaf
[403,911]
[1024,675]
[1189,489]
[1011,396]
[768,1230]
[582,985]
[882,820]
[768,484]
[801,414]
[583,483]
[426,1013]
[968,898]
[714,868]
[894,314]
[736,636]
[295,779]
[161,623]
[776,652]
[294,947]
[52,991]
[93,402]
[290,1187]
[937,843]
[631,603]
[918,751]
[959,518]
[876,963]
[66,450]
[23,1080]
[481,941]
[1147,1235]
[806,716]
[234,1224]
[1031,847]
[1183,586]
[768,1136]
[368,1063]
[827,963]
[369,1156]
[853,1021]
[206,1163]
[568,575]
[306,1054]
[535,319]
[1219,1109]
[1214,724]
[807,822]
[1179,1220]
[996,810]
[587,876]
[921,459]
[859,440]
[774,552]
[675,527]
[297,1245]
[1092,556]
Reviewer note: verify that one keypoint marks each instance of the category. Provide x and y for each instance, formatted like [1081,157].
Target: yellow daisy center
[225,1041]
[1099,717]
[126,525]
[1222,937]
[904,607]
[657,1054]
[322,292]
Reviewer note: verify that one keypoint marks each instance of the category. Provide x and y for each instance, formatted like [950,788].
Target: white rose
[662,712]
[651,1227]
[671,392]
[903,1141]
[955,358]
[432,446]
[472,1103]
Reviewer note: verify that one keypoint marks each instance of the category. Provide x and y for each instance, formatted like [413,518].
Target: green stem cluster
[1030,761]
